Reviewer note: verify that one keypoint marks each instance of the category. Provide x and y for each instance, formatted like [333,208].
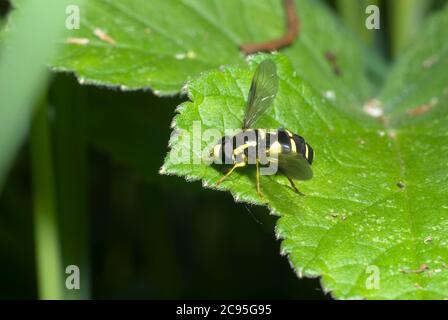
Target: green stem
[406,16]
[49,264]
[71,178]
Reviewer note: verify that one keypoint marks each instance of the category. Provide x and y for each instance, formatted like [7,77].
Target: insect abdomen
[235,149]
[293,143]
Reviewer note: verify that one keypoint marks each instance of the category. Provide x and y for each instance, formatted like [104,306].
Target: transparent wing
[262,92]
[295,166]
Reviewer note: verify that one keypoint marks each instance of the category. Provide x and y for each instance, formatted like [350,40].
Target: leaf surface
[377,206]
[161,44]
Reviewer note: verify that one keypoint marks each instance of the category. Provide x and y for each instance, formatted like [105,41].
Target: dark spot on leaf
[331,57]
[400,185]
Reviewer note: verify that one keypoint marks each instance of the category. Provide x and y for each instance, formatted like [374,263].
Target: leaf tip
[184,89]
[162,170]
[206,184]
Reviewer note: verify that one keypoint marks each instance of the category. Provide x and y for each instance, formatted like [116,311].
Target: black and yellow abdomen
[238,148]
[293,143]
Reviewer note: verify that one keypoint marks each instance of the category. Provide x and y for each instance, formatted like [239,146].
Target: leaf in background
[161,44]
[377,205]
[420,73]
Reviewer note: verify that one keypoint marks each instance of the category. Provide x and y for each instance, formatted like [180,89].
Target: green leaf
[161,44]
[377,207]
[420,73]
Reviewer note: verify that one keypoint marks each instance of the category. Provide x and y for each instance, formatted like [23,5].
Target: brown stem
[292,30]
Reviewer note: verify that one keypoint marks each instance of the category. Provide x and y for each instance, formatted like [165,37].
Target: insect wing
[262,92]
[295,166]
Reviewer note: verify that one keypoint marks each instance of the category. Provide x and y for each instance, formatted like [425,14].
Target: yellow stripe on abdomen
[275,148]
[293,145]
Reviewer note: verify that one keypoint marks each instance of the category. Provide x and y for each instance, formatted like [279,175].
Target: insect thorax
[251,145]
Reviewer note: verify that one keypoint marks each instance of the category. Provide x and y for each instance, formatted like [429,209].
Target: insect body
[285,150]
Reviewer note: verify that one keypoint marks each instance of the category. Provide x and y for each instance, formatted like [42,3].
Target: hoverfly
[292,155]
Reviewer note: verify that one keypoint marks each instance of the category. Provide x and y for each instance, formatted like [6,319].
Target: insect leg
[294,186]
[258,181]
[228,173]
